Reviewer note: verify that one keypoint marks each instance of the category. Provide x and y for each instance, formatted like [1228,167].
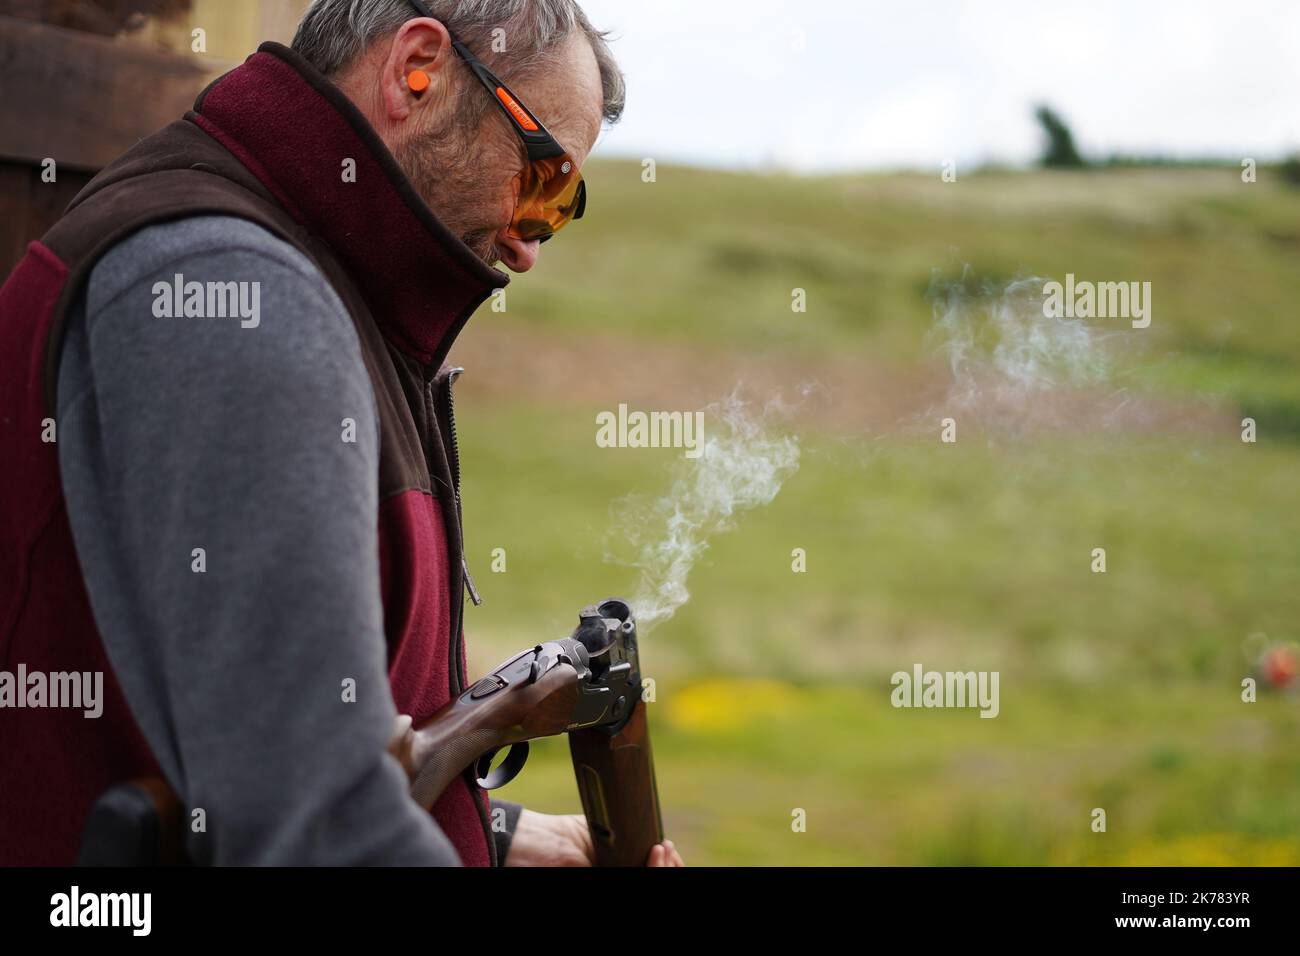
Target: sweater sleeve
[505,820]
[220,475]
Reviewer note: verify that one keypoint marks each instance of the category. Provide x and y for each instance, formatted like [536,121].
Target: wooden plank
[28,207]
[83,99]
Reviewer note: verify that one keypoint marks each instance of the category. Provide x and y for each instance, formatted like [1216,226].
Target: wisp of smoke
[745,460]
[1001,346]
[1008,359]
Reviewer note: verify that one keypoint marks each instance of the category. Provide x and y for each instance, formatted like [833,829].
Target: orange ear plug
[418,81]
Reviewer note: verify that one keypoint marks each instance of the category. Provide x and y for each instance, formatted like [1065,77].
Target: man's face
[464,162]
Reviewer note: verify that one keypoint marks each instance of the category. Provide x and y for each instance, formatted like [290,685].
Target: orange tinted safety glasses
[549,191]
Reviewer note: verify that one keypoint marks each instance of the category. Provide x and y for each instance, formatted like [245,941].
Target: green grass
[1119,690]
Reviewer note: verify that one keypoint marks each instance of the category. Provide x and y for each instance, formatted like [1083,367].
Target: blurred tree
[1290,169]
[105,17]
[1060,151]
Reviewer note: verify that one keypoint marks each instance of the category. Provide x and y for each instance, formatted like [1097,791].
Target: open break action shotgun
[587,685]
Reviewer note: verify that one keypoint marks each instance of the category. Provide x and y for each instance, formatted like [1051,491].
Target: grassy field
[1118,690]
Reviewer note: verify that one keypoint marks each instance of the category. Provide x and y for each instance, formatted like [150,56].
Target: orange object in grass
[1279,666]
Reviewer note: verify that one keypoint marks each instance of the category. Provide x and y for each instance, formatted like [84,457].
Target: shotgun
[612,760]
[588,684]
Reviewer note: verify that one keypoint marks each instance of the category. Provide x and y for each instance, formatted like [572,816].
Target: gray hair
[333,32]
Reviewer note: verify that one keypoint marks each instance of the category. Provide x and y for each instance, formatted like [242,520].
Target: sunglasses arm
[537,139]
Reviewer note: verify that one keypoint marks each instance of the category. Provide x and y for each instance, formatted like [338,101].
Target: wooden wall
[82,99]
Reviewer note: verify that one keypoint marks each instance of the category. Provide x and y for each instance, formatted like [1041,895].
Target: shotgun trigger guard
[506,771]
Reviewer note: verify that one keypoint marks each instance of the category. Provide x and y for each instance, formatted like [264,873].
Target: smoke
[1013,366]
[746,459]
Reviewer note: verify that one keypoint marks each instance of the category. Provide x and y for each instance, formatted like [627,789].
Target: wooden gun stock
[489,715]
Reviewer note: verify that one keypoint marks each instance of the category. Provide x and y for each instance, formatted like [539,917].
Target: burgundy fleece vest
[267,142]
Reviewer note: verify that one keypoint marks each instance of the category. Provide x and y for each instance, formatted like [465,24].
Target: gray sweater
[183,434]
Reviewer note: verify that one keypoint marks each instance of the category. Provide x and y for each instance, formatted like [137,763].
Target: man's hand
[544,839]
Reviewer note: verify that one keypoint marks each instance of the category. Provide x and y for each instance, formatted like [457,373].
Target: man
[231,480]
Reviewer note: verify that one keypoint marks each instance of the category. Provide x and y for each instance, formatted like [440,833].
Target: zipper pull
[469,582]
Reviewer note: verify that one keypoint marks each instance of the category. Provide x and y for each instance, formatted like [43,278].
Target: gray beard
[482,244]
[444,171]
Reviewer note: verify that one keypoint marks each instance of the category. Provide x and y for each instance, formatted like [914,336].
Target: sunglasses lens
[551,195]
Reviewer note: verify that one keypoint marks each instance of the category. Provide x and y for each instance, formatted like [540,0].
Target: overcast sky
[815,85]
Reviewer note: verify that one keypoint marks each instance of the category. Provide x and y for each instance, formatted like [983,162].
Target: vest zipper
[458,624]
[452,375]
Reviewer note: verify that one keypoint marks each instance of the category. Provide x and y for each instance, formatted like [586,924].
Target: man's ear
[419,44]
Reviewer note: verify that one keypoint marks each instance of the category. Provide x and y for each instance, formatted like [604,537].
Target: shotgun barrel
[613,762]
